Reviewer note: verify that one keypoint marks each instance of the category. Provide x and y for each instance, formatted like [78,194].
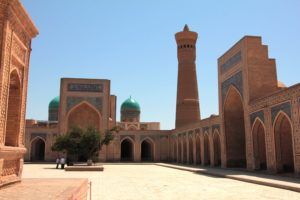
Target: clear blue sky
[132,44]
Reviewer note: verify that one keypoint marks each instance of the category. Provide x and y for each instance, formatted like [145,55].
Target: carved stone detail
[18,50]
[5,80]
[10,167]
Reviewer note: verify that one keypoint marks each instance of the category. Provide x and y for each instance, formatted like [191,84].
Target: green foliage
[90,143]
[83,143]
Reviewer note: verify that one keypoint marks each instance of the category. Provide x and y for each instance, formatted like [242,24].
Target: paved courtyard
[146,181]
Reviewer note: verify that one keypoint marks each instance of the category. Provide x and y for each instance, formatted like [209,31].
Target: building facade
[257,127]
[16,33]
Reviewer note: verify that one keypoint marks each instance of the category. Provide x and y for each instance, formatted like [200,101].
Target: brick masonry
[16,32]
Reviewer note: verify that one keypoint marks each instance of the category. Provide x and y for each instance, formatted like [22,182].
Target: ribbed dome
[54,103]
[130,104]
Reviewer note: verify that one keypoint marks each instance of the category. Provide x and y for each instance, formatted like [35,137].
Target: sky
[132,44]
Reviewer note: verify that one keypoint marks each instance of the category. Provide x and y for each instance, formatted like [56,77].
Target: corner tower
[187,105]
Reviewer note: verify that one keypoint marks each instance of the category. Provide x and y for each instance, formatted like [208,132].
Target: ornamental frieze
[205,129]
[259,115]
[147,136]
[236,58]
[95,101]
[236,80]
[284,95]
[83,87]
[216,127]
[284,107]
[163,136]
[127,136]
[18,50]
[41,135]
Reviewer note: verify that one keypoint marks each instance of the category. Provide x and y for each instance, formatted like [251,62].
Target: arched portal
[191,151]
[127,150]
[184,158]
[234,129]
[283,144]
[206,150]
[13,111]
[84,116]
[217,148]
[37,150]
[198,150]
[147,150]
[259,145]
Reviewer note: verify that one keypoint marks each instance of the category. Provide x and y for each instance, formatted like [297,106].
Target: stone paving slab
[136,181]
[46,189]
[281,182]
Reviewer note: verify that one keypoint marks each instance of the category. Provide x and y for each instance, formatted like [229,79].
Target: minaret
[187,105]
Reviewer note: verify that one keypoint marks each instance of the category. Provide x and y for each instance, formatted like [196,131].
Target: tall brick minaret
[187,105]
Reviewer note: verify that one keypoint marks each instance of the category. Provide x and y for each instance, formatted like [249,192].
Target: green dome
[54,103]
[130,104]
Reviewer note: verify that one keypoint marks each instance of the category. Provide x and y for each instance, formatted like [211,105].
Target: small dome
[281,85]
[130,104]
[54,103]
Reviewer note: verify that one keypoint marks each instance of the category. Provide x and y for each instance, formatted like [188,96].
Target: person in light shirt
[57,162]
[62,162]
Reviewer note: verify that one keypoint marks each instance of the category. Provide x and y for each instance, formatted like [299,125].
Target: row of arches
[281,137]
[199,149]
[37,150]
[283,144]
[127,150]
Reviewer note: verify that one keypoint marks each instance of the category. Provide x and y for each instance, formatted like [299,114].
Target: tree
[83,143]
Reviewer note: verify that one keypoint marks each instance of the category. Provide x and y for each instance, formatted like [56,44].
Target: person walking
[57,162]
[62,162]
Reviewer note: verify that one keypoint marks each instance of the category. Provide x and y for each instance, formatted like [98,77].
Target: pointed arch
[191,150]
[147,149]
[184,149]
[84,115]
[132,128]
[206,149]
[37,149]
[283,137]
[179,149]
[259,144]
[13,118]
[127,149]
[233,119]
[198,150]
[217,148]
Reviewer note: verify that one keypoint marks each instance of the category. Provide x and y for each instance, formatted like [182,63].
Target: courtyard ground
[149,181]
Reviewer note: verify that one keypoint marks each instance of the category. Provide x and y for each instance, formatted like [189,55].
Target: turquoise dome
[130,104]
[54,103]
